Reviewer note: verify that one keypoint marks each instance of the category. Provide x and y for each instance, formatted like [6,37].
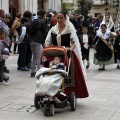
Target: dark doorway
[40,4]
[13,8]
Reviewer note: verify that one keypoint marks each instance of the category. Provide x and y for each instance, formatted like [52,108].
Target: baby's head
[58,59]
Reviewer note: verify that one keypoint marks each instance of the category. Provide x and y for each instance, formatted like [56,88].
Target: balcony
[68,1]
[98,2]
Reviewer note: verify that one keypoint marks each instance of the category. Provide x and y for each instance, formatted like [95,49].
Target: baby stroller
[51,83]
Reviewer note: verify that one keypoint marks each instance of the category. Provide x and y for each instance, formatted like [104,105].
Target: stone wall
[5,5]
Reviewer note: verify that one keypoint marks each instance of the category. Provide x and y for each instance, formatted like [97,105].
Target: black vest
[65,39]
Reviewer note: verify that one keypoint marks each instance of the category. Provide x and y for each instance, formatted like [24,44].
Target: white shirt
[23,31]
[20,39]
[85,40]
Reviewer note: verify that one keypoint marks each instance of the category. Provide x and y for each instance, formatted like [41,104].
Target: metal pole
[82,7]
[61,4]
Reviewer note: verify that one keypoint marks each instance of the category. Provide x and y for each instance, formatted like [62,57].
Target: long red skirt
[80,87]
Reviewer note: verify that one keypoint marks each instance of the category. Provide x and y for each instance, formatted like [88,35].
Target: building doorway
[13,8]
[40,4]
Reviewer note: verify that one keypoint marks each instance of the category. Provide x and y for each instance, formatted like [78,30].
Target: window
[12,2]
[13,8]
[97,14]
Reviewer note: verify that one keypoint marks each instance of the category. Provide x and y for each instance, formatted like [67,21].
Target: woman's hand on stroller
[68,49]
[46,45]
[71,47]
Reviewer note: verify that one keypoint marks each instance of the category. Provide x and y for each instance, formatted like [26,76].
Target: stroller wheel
[37,101]
[52,110]
[73,101]
[48,110]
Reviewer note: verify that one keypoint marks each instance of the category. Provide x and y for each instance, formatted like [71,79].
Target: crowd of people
[31,32]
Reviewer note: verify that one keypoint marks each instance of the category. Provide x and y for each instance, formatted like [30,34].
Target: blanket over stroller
[49,81]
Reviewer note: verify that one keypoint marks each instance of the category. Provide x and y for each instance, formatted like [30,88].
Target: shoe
[25,69]
[87,66]
[6,71]
[5,78]
[14,53]
[118,67]
[101,69]
[18,68]
[28,67]
[33,74]
[4,83]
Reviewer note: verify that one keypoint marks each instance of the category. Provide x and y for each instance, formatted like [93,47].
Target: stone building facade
[99,8]
[15,6]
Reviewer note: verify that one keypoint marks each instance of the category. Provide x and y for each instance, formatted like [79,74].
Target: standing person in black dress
[104,54]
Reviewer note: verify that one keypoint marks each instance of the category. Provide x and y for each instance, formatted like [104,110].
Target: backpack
[32,28]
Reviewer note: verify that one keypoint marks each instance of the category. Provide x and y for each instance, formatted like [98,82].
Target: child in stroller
[50,83]
[57,63]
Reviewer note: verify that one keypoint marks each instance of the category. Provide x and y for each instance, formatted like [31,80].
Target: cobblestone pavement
[102,104]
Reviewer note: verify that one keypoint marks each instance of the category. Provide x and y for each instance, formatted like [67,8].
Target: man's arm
[4,26]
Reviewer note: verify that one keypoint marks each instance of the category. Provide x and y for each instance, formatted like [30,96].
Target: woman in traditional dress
[104,52]
[64,34]
[107,20]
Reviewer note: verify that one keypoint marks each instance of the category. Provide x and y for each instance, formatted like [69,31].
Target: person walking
[37,39]
[102,44]
[64,34]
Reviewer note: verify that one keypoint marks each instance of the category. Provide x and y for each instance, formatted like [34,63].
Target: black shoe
[103,68]
[33,74]
[6,71]
[19,68]
[118,67]
[87,66]
[100,69]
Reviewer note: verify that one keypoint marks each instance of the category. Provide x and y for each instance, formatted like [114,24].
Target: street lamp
[106,6]
[61,4]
